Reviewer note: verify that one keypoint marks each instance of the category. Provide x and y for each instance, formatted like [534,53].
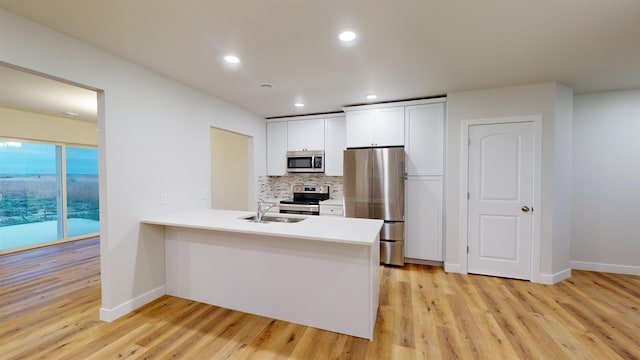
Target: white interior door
[501,173]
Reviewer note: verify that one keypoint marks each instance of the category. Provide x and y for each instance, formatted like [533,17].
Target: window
[33,193]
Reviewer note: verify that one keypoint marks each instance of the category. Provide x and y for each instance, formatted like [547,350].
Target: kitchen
[423,154]
[150,101]
[372,188]
[296,166]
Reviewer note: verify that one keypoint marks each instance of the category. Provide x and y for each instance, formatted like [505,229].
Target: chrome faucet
[263,207]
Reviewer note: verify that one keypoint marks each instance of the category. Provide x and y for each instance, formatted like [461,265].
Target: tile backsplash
[281,187]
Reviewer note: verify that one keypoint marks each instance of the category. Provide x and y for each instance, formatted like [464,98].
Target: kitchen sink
[274,219]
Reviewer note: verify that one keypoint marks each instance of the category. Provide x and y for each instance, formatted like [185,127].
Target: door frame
[537,187]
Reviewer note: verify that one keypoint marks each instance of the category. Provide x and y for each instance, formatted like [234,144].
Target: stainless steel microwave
[305,161]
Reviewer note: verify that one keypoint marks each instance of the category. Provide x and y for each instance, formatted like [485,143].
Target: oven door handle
[299,207]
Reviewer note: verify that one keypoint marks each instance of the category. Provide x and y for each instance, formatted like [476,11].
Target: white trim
[306,117]
[395,104]
[550,279]
[455,268]
[464,202]
[536,230]
[608,268]
[110,315]
[537,188]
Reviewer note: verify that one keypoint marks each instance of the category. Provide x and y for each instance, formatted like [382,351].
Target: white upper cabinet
[359,129]
[389,126]
[424,141]
[335,143]
[375,127]
[305,135]
[277,148]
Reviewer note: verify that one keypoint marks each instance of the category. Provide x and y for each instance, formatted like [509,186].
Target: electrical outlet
[164,200]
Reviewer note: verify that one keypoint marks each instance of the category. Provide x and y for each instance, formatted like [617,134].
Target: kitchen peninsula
[321,272]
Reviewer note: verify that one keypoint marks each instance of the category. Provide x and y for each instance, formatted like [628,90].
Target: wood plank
[50,299]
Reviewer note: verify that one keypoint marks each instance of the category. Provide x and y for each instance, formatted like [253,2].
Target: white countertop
[319,228]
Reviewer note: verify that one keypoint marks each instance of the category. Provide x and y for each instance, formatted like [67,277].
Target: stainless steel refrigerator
[374,189]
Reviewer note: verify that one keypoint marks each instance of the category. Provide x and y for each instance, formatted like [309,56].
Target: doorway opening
[231,169]
[49,188]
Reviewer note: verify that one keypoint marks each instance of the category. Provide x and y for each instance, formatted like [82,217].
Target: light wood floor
[49,301]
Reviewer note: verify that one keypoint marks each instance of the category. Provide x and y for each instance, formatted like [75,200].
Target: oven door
[303,209]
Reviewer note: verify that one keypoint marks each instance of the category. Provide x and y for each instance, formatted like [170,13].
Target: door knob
[525,209]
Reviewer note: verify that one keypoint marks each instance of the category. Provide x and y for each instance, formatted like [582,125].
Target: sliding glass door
[40,201]
[83,215]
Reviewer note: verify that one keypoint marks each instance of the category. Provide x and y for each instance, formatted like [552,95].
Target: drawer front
[392,230]
[331,210]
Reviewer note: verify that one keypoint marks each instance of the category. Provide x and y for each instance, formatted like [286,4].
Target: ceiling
[25,91]
[405,49]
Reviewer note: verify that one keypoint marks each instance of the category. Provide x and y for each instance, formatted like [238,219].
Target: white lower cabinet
[331,208]
[423,218]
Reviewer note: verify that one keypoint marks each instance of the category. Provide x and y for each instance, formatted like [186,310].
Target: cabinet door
[305,135]
[424,141]
[334,145]
[314,132]
[360,128]
[389,127]
[296,135]
[423,218]
[277,148]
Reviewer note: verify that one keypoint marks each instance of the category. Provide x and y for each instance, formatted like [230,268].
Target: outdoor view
[31,199]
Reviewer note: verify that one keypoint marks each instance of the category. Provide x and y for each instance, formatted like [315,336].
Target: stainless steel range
[306,200]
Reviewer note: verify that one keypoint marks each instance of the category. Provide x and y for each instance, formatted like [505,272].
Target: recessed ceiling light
[372,96]
[231,59]
[347,36]
[70,113]
[298,105]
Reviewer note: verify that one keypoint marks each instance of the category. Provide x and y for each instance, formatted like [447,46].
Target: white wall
[153,139]
[605,220]
[550,100]
[39,127]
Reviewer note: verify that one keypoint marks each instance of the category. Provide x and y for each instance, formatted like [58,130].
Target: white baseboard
[454,268]
[110,315]
[550,279]
[609,268]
